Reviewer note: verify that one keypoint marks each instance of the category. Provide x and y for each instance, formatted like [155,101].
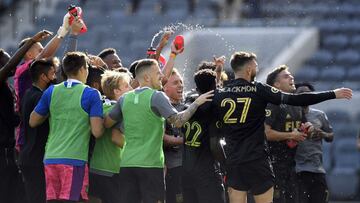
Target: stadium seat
[332,73]
[343,183]
[346,154]
[346,130]
[335,42]
[307,73]
[338,116]
[353,74]
[327,157]
[348,57]
[321,58]
[355,41]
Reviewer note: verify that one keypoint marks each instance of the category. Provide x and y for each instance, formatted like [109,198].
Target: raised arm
[16,58]
[171,62]
[52,46]
[180,118]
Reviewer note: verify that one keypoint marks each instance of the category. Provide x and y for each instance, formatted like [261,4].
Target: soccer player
[9,119]
[110,57]
[310,171]
[31,156]
[105,160]
[239,113]
[173,140]
[74,110]
[22,79]
[281,128]
[200,182]
[143,112]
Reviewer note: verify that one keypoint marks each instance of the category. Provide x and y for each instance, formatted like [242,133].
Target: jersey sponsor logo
[291,125]
[267,112]
[274,90]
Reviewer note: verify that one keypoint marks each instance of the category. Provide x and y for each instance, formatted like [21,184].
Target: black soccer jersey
[197,157]
[283,118]
[240,108]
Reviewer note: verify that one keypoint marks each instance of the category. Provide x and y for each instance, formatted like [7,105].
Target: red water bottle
[179,42]
[76,12]
[291,143]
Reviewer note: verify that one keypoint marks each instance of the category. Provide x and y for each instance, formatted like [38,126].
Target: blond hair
[110,81]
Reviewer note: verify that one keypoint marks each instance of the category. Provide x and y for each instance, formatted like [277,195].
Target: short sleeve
[43,106]
[271,113]
[326,124]
[161,105]
[95,103]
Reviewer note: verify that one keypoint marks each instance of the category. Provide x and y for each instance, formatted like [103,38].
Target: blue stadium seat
[335,42]
[321,58]
[348,57]
[346,130]
[355,41]
[346,154]
[307,73]
[343,183]
[353,74]
[332,73]
[327,156]
[338,116]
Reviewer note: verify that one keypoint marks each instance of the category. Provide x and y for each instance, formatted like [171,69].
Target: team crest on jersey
[274,90]
[267,112]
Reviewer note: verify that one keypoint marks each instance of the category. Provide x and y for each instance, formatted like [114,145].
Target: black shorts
[104,187]
[255,176]
[313,187]
[204,188]
[146,184]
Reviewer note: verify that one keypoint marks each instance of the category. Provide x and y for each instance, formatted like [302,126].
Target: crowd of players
[89,128]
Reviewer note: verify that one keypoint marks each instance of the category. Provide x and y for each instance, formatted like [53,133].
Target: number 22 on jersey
[228,102]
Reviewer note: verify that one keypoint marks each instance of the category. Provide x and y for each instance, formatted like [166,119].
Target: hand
[343,93]
[96,61]
[219,62]
[76,26]
[307,128]
[317,134]
[204,97]
[297,136]
[165,38]
[38,37]
[176,51]
[66,24]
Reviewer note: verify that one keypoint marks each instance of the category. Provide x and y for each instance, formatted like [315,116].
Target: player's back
[240,112]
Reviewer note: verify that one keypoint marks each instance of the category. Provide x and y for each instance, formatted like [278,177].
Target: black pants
[11,185]
[286,185]
[104,187]
[146,184]
[34,182]
[313,187]
[173,185]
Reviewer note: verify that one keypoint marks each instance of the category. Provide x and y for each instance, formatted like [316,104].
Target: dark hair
[133,67]
[73,61]
[205,80]
[144,64]
[305,84]
[104,53]
[239,59]
[22,43]
[94,76]
[41,66]
[206,65]
[272,76]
